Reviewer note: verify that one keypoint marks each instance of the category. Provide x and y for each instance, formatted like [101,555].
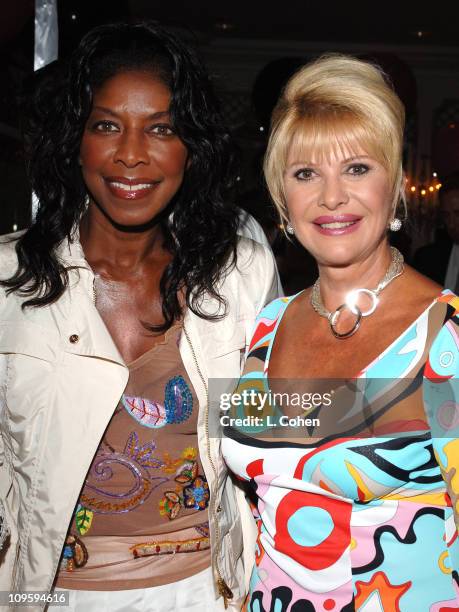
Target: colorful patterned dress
[360,522]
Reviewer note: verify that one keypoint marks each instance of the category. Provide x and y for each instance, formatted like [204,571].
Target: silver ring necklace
[395,269]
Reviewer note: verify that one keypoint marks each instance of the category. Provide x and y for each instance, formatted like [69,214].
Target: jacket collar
[84,320]
[96,341]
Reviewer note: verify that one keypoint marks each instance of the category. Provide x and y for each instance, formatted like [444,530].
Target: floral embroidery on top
[177,408]
[137,459]
[196,495]
[173,466]
[195,491]
[187,472]
[190,453]
[83,519]
[74,555]
[136,483]
[170,505]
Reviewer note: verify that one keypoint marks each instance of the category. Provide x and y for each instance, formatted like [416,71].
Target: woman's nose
[334,193]
[132,149]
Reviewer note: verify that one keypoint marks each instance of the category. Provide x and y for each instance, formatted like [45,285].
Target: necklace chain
[395,269]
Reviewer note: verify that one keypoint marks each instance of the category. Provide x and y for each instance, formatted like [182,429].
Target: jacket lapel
[84,325]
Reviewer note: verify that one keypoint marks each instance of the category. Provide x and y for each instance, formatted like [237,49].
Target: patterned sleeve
[441,400]
[264,328]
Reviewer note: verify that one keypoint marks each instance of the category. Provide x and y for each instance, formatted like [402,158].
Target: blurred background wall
[251,48]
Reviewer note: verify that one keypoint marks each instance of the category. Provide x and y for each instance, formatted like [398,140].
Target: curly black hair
[201,234]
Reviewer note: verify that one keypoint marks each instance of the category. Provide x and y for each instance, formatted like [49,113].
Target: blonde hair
[335,104]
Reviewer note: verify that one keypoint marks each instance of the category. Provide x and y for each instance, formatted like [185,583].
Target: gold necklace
[395,268]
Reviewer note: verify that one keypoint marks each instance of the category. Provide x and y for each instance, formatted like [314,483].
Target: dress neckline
[141,359]
[290,299]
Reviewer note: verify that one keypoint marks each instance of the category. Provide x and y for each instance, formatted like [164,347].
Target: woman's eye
[162,130]
[105,126]
[304,174]
[358,169]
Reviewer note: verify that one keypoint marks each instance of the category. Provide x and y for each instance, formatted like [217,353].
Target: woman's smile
[130,189]
[130,151]
[339,207]
[336,225]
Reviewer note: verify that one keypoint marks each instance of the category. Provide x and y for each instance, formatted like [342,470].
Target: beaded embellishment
[83,519]
[178,405]
[74,555]
[178,400]
[168,547]
[144,411]
[196,495]
[138,459]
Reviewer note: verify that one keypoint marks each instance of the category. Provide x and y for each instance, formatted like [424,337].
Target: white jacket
[61,377]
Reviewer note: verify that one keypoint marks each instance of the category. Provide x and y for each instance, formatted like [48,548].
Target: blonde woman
[360,516]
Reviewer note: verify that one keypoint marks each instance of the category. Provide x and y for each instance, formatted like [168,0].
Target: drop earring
[395,225]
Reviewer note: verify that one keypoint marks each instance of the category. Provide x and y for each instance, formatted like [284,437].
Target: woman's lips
[130,189]
[337,225]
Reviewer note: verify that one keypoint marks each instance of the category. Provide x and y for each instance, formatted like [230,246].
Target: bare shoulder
[420,289]
[297,315]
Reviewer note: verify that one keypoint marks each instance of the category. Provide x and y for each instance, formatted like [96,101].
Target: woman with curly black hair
[137,282]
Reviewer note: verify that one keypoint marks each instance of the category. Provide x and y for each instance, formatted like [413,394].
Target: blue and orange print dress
[351,522]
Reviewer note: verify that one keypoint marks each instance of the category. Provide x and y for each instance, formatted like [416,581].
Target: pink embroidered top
[141,519]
